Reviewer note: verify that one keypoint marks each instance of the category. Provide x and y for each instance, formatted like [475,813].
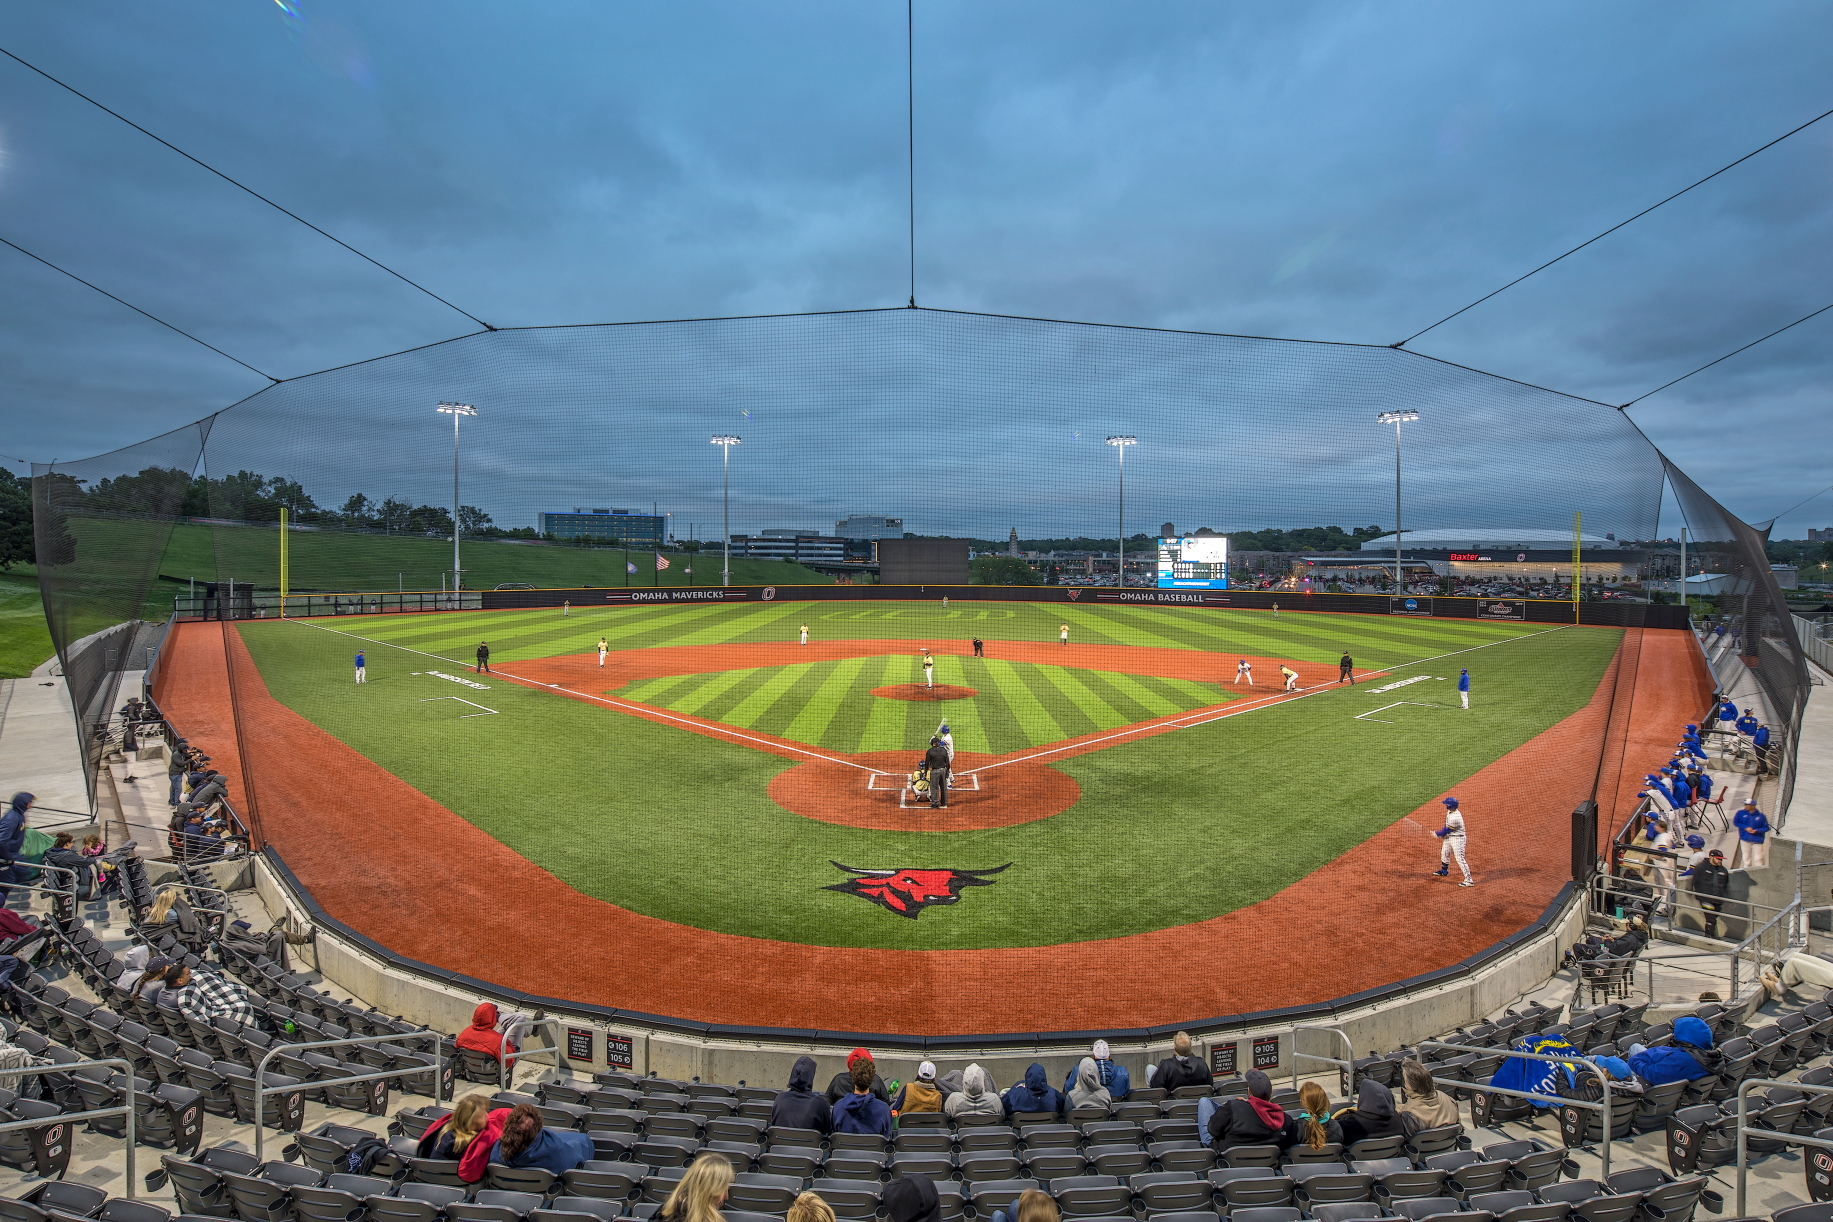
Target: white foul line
[462,700]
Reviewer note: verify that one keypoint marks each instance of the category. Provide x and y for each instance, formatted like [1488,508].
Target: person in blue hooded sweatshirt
[1034,1094]
[1112,1075]
[1679,1061]
[12,841]
[527,1142]
[862,1111]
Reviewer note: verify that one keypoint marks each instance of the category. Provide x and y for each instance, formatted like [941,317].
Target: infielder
[1463,687]
[805,634]
[603,645]
[360,669]
[1063,634]
[1452,844]
[1244,669]
[1291,678]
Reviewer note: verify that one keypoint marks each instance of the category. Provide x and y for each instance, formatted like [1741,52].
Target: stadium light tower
[725,441]
[455,410]
[1397,419]
[1120,442]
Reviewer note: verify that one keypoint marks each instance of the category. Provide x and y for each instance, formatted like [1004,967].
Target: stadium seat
[577,1209]
[848,1198]
[494,1205]
[443,1172]
[609,1181]
[1249,1156]
[1266,1213]
[1182,1156]
[988,1195]
[925,1141]
[937,1165]
[843,1164]
[1266,1189]
[331,1204]
[1326,1188]
[1122,1161]
[1163,1192]
[763,1193]
[1078,1198]
[1053,1163]
[991,1165]
[797,1162]
[529,1181]
[1347,1211]
[1043,1136]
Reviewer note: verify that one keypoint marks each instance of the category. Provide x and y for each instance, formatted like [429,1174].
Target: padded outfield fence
[962,425]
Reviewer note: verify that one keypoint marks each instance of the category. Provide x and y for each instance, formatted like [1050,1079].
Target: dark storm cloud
[1334,171]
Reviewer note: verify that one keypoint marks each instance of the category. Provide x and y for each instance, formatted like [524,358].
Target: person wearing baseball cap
[1711,883]
[1113,1076]
[842,1085]
[920,1094]
[1451,837]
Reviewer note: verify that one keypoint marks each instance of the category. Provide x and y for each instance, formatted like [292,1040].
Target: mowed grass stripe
[847,728]
[651,691]
[721,709]
[1084,698]
[758,702]
[1030,718]
[885,726]
[810,722]
[994,718]
[709,691]
[1136,699]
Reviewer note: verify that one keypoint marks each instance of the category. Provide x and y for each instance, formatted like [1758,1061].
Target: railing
[1818,649]
[51,1162]
[263,1091]
[505,1066]
[1780,928]
[1560,1101]
[1345,1068]
[267,604]
[1744,1129]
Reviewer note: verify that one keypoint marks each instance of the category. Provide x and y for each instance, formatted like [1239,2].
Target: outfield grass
[679,826]
[25,640]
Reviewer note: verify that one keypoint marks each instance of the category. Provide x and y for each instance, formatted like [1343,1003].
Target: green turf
[1169,830]
[25,641]
[829,704]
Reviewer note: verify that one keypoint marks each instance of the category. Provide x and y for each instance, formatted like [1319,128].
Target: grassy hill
[25,641]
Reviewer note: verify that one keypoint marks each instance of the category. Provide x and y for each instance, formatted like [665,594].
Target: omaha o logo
[1521,556]
[769,593]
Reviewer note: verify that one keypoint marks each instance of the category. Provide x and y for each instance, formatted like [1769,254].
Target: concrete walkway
[39,752]
[1810,812]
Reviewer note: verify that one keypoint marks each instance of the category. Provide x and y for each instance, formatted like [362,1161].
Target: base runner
[1451,837]
[1244,669]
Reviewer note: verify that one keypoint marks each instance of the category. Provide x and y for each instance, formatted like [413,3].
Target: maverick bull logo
[908,892]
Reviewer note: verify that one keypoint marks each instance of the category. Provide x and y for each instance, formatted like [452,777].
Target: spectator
[1032,1205]
[702,1191]
[1373,1115]
[467,1136]
[1679,1061]
[912,1198]
[164,910]
[920,1094]
[1631,941]
[175,767]
[1034,1094]
[1426,1106]
[1181,1068]
[1753,833]
[526,1142]
[152,983]
[1244,1120]
[133,966]
[1747,724]
[1113,1075]
[862,1111]
[485,1034]
[1587,1081]
[1711,884]
[63,855]
[1312,1124]
[810,1208]
[214,786]
[1800,968]
[1759,741]
[842,1084]
[204,997]
[799,1107]
[1088,1091]
[12,841]
[1633,896]
[976,1097]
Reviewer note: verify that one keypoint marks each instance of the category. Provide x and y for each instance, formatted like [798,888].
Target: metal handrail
[505,1066]
[126,1109]
[261,1092]
[1744,1129]
[1346,1067]
[1603,1079]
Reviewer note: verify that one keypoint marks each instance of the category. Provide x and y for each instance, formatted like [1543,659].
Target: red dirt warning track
[439,890]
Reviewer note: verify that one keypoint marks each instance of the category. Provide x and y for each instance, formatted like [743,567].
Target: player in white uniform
[1063,634]
[805,634]
[1451,837]
[603,645]
[1291,678]
[1244,669]
[948,744]
[929,670]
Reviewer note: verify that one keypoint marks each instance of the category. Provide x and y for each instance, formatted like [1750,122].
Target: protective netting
[961,425]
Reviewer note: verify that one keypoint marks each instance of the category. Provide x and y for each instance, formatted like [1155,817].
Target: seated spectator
[1585,1080]
[133,966]
[912,1198]
[1373,1115]
[920,1094]
[976,1097]
[1031,1206]
[841,1085]
[1685,1060]
[213,786]
[1087,1090]
[702,1191]
[862,1111]
[810,1208]
[1815,971]
[799,1107]
[1114,1076]
[152,983]
[1034,1094]
[1312,1123]
[1246,1120]
[205,996]
[1181,1068]
[526,1142]
[164,909]
[467,1136]
[485,1034]
[1426,1107]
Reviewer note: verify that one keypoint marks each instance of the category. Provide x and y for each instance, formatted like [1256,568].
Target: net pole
[283,582]
[1576,518]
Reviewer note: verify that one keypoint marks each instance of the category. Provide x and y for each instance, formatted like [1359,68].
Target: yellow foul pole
[283,562]
[1575,561]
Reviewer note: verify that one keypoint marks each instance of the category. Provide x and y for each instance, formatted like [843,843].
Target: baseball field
[717,774]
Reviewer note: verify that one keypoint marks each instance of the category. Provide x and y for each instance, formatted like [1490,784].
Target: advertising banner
[1409,606]
[1502,608]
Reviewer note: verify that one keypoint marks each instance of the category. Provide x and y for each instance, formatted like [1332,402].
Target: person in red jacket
[467,1135]
[485,1034]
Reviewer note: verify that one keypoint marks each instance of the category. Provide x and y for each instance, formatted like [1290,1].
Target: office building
[869,526]
[803,549]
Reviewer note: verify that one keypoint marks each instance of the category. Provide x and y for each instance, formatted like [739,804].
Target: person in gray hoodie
[976,1097]
[1087,1089]
[133,966]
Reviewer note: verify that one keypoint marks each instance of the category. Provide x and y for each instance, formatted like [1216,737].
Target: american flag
[661,562]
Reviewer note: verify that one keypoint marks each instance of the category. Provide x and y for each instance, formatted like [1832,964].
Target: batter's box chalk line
[1418,704]
[967,782]
[462,700]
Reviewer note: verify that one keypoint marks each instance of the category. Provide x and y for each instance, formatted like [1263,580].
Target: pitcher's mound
[916,691]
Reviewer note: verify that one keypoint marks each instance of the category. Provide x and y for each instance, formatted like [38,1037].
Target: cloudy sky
[1331,171]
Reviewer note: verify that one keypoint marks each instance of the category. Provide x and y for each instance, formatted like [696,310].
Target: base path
[1368,918]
